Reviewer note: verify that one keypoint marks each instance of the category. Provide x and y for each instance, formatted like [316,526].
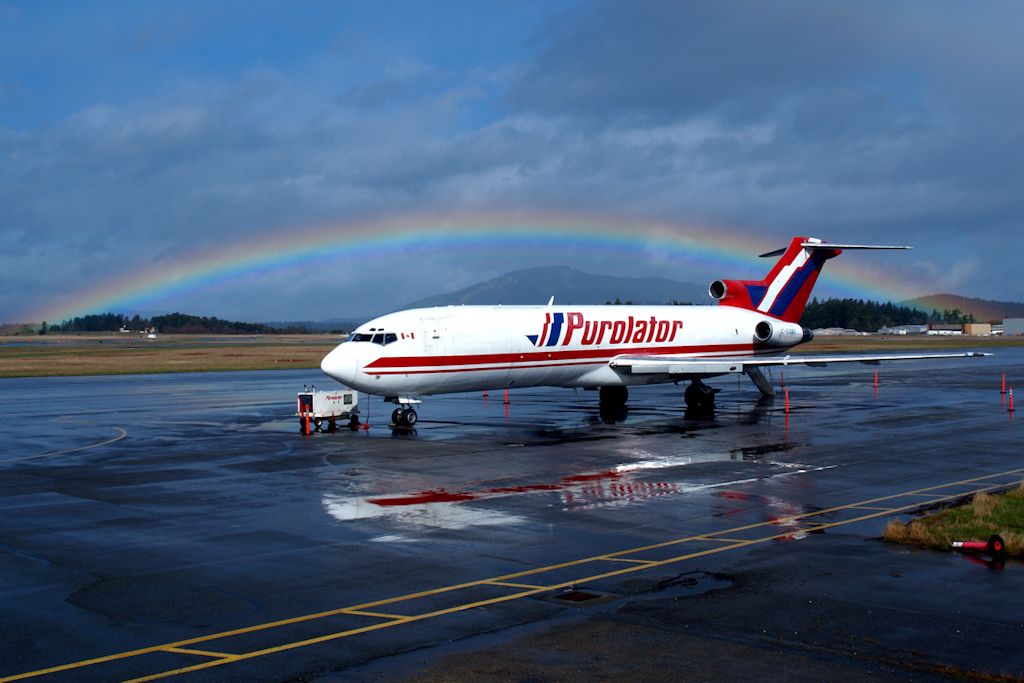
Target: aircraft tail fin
[784,292]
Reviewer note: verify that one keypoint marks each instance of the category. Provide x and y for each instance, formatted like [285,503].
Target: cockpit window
[374,336]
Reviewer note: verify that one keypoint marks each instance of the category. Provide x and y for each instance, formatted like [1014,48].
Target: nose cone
[341,364]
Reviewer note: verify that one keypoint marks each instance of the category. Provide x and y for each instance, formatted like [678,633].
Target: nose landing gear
[404,417]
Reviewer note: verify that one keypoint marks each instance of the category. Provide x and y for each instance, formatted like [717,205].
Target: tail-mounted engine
[778,333]
[737,293]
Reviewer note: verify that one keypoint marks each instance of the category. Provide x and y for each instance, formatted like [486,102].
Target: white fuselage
[472,348]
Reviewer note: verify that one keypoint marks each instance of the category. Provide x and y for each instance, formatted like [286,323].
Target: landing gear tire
[699,397]
[404,417]
[613,397]
[612,406]
[353,422]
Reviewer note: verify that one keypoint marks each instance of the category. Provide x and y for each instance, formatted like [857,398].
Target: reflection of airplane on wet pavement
[625,484]
[472,348]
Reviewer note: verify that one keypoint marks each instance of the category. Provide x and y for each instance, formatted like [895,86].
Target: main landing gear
[699,397]
[613,397]
[613,404]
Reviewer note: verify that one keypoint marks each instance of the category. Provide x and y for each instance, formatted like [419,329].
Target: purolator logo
[561,329]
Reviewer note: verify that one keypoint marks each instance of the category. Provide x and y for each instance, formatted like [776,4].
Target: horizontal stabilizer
[827,245]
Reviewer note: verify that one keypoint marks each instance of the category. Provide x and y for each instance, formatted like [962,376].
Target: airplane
[420,352]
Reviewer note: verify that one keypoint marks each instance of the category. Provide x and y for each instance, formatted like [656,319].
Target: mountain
[984,310]
[568,286]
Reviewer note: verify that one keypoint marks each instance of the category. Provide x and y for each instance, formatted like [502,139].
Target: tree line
[869,316]
[172,323]
[862,315]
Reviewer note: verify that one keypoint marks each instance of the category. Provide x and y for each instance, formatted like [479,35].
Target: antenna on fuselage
[551,301]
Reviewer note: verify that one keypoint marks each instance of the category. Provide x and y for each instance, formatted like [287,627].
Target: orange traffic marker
[787,401]
[1002,386]
[876,379]
[994,546]
[1010,396]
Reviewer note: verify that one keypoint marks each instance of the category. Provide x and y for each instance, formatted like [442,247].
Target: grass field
[108,354]
[111,354]
[975,521]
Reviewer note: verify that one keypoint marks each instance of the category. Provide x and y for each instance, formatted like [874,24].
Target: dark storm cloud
[864,116]
[670,59]
[862,121]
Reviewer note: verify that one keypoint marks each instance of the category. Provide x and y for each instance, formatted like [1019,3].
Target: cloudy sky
[137,136]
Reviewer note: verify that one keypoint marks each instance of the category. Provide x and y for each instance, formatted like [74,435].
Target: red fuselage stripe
[498,367]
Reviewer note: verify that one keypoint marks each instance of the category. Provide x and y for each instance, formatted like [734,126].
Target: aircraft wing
[709,366]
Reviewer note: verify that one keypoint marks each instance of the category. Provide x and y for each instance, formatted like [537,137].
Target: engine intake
[718,290]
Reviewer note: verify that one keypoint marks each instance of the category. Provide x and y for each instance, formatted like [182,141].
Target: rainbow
[731,251]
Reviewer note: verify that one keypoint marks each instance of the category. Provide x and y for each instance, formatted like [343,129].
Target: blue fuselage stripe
[556,329]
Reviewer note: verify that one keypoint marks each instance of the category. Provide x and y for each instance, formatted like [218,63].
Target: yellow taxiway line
[626,565]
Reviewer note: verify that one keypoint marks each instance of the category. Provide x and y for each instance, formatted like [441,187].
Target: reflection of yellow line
[121,434]
[873,513]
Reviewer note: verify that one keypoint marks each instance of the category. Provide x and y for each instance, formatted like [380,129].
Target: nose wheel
[404,417]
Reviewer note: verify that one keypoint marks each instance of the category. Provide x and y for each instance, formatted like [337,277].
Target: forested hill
[173,323]
[869,316]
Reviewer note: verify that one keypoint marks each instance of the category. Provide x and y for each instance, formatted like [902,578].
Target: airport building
[1013,326]
[904,329]
[945,328]
[978,329]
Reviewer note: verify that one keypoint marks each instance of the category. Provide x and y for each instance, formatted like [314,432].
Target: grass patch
[984,515]
[110,355]
[899,343]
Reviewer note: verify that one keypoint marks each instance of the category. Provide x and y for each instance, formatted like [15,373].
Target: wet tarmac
[180,523]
